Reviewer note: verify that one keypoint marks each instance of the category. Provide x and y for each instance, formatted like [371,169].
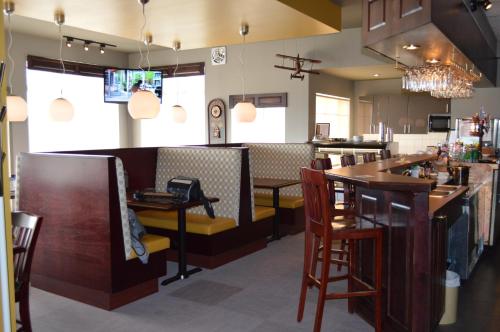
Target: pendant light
[61,109]
[179,114]
[245,110]
[144,104]
[17,109]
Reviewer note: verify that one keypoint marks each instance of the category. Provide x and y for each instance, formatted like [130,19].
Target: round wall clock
[216,121]
[218,55]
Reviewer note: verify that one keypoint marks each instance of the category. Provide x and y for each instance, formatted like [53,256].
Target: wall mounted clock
[218,55]
[216,122]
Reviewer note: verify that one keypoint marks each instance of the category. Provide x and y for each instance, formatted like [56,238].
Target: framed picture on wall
[322,130]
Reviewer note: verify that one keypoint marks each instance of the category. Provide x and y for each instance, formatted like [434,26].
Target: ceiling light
[376,75]
[486,4]
[17,109]
[179,114]
[143,104]
[433,61]
[245,110]
[69,40]
[86,45]
[61,109]
[411,47]
[101,48]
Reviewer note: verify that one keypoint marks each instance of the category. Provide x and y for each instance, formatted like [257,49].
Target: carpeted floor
[256,293]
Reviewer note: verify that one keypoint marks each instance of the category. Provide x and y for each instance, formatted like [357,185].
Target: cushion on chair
[263,212]
[153,243]
[287,202]
[195,223]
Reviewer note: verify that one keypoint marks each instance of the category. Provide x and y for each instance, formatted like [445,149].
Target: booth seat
[282,161]
[84,249]
[223,173]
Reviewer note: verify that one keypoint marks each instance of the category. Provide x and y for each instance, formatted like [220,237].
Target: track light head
[86,45]
[101,48]
[9,7]
[69,40]
[486,4]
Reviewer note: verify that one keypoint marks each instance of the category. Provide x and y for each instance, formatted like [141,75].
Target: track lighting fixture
[486,4]
[70,40]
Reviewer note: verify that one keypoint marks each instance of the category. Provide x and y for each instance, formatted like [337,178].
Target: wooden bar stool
[385,154]
[321,226]
[369,157]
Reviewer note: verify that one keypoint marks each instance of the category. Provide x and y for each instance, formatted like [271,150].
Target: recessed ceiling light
[376,75]
[411,47]
[433,60]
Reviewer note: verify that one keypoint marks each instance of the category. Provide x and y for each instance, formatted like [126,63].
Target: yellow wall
[6,190]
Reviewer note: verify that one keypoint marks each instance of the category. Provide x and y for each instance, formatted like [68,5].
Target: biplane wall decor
[297,65]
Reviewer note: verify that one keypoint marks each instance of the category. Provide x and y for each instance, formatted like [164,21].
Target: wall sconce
[486,4]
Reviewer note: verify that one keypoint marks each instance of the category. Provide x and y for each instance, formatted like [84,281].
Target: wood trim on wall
[183,70]
[74,68]
[261,100]
[85,69]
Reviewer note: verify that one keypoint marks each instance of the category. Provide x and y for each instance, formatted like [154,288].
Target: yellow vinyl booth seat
[153,243]
[263,212]
[195,223]
[286,201]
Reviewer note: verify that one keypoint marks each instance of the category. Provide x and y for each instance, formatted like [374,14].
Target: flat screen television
[120,84]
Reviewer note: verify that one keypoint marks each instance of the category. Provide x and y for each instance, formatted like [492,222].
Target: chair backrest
[347,160]
[25,230]
[385,154]
[316,201]
[369,157]
[321,163]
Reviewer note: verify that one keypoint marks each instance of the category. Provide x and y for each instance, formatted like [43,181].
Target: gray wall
[487,97]
[330,85]
[25,45]
[337,50]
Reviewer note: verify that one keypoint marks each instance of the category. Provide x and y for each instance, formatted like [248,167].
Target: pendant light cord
[9,56]
[141,39]
[243,68]
[60,56]
[175,71]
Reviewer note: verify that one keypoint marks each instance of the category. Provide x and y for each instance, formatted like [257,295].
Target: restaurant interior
[258,165]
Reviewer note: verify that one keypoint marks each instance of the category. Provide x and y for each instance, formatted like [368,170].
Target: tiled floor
[256,293]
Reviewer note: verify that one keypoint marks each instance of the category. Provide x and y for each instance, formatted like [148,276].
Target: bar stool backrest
[385,154]
[316,202]
[347,160]
[321,163]
[369,157]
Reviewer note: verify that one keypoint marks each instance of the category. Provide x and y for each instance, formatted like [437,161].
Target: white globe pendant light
[179,114]
[143,105]
[245,111]
[61,110]
[17,109]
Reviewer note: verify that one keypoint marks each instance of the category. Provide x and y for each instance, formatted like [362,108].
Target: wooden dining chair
[25,230]
[369,157]
[385,154]
[322,227]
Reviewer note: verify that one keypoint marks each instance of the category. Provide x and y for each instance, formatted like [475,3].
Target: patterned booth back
[280,160]
[218,169]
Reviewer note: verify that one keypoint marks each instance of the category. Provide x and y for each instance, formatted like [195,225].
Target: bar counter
[415,240]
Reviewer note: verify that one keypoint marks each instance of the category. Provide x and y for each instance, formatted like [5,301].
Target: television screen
[120,84]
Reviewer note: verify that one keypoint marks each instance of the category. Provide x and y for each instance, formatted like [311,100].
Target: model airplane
[298,67]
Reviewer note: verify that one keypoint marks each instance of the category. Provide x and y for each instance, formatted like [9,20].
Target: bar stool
[385,154]
[321,227]
[369,157]
[349,192]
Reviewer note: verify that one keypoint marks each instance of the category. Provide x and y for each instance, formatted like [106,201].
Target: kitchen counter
[350,144]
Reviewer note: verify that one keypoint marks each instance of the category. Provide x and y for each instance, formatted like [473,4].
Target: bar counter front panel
[415,244]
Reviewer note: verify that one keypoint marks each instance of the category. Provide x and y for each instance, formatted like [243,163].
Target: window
[268,127]
[189,92]
[336,111]
[95,125]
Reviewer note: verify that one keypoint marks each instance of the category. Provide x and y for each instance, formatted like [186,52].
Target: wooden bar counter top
[415,240]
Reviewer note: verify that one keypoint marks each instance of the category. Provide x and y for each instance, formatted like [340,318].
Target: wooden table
[172,205]
[275,185]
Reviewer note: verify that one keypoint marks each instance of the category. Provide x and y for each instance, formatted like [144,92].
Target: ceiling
[196,23]
[364,72]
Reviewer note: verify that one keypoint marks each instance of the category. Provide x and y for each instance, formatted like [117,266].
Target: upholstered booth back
[218,169]
[280,160]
